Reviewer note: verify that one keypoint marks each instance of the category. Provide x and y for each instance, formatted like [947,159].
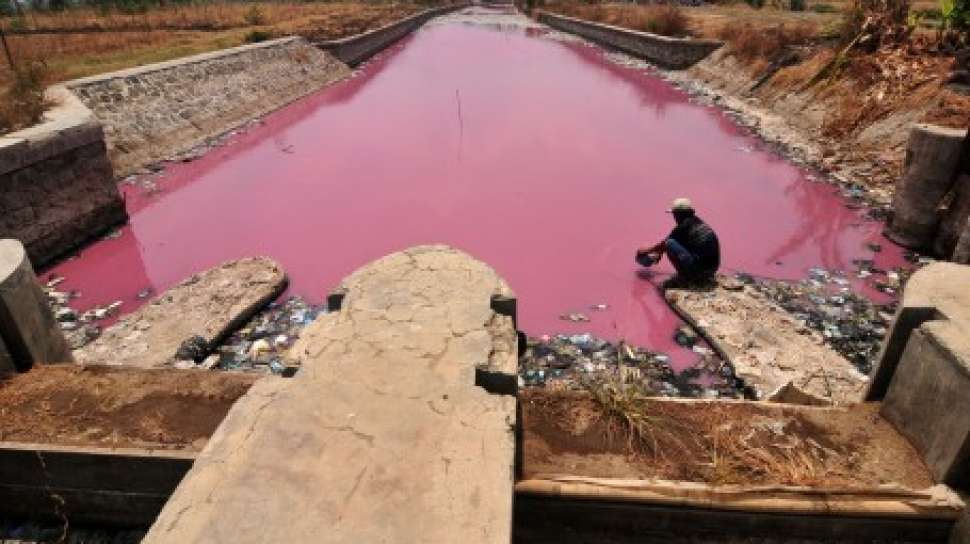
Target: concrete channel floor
[383,435]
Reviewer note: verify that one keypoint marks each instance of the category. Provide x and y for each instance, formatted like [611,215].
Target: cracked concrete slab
[777,357]
[382,436]
[210,304]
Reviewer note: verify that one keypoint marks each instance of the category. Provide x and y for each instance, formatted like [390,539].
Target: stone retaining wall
[677,53]
[156,111]
[354,50]
[56,184]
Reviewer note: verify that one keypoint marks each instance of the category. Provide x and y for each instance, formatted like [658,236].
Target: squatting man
[692,248]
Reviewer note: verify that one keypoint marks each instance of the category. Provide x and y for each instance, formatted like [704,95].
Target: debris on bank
[771,350]
[260,344]
[188,320]
[576,362]
[849,323]
[80,328]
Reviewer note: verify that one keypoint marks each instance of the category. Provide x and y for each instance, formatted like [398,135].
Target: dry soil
[105,406]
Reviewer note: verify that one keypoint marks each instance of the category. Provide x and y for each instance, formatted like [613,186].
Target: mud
[569,433]
[113,407]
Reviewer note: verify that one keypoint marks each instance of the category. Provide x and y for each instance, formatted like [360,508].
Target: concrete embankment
[155,111]
[354,50]
[383,435]
[56,185]
[665,51]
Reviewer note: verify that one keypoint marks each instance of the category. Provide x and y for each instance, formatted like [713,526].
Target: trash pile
[578,361]
[850,323]
[259,345]
[80,328]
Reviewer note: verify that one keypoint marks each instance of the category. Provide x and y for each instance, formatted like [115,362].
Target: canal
[536,153]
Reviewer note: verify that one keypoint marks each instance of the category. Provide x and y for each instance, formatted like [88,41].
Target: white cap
[681,204]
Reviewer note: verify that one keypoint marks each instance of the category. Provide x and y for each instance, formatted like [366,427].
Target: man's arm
[658,249]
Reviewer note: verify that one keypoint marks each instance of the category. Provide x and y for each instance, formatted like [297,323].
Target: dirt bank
[117,407]
[745,443]
[852,124]
[852,121]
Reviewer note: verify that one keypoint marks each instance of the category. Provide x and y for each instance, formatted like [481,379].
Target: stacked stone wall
[56,184]
[676,53]
[354,50]
[157,111]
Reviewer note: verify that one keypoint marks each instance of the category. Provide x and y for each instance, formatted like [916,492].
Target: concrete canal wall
[354,50]
[153,112]
[677,53]
[56,184]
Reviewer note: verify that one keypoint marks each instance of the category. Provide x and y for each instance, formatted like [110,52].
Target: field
[59,46]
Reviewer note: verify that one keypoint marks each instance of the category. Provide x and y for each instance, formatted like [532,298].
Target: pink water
[540,157]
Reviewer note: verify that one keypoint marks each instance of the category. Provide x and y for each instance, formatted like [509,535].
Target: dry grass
[713,447]
[750,44]
[666,19]
[204,16]
[23,102]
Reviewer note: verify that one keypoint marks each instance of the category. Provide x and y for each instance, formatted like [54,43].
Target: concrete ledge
[354,50]
[676,53]
[56,184]
[66,126]
[382,436]
[120,487]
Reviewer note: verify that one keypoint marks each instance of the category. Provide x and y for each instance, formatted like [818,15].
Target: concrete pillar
[961,253]
[28,328]
[932,158]
[7,365]
[955,217]
[961,532]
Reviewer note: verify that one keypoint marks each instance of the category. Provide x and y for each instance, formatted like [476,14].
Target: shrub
[824,8]
[751,44]
[24,102]
[668,20]
[254,16]
[256,36]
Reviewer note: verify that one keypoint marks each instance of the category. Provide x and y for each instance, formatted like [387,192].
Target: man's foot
[683,282]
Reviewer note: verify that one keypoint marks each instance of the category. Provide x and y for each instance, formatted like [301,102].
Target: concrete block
[935,292]
[961,253]
[955,218]
[929,399]
[932,157]
[27,326]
